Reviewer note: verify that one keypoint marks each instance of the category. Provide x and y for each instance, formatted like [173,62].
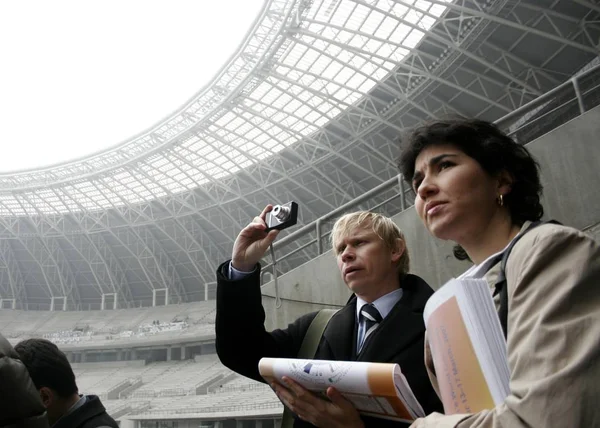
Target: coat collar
[90,409]
[402,326]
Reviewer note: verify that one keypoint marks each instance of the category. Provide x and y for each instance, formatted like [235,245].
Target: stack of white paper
[468,346]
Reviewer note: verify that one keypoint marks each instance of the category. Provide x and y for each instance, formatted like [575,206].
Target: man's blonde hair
[383,227]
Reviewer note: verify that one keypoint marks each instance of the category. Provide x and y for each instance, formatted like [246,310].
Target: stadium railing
[211,409]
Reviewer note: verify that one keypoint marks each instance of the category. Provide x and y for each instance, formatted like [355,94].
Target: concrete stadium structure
[309,109]
[172,378]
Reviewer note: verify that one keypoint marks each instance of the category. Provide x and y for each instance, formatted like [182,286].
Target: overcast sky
[78,76]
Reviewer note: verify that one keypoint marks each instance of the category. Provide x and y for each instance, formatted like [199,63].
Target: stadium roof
[309,109]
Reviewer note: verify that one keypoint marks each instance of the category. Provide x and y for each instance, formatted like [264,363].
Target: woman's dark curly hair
[493,150]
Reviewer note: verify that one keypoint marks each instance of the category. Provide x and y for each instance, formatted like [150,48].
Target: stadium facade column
[182,355]
[258,424]
[169,352]
[83,356]
[133,354]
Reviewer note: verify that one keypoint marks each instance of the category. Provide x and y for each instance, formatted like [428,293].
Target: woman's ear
[505,182]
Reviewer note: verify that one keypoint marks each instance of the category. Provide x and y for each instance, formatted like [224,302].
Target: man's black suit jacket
[242,339]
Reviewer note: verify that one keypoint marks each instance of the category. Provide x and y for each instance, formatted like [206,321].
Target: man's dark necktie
[371,318]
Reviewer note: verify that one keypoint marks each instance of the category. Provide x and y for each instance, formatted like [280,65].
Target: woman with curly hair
[478,188]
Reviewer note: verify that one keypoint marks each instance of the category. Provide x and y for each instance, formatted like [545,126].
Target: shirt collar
[384,304]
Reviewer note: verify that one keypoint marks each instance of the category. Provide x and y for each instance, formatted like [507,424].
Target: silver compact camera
[282,216]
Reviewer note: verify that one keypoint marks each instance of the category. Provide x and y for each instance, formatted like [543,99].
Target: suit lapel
[340,333]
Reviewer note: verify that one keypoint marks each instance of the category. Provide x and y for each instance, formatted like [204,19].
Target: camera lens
[281,213]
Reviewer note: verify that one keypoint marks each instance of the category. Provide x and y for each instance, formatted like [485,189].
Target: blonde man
[367,233]
[382,321]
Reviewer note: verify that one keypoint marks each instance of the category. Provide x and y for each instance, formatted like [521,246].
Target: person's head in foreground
[371,253]
[474,185]
[20,405]
[52,375]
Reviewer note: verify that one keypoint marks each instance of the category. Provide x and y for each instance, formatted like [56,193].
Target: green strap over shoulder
[309,346]
[313,335]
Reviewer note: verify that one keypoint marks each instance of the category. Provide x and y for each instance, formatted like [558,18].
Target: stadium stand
[190,319]
[161,379]
[189,387]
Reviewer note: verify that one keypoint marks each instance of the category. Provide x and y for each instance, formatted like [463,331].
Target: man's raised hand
[252,242]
